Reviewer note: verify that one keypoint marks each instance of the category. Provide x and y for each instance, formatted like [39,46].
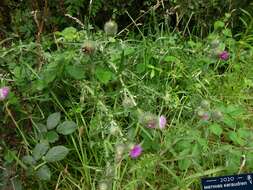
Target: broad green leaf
[9,156]
[56,153]
[184,164]
[76,72]
[233,136]
[104,75]
[69,33]
[44,173]
[42,128]
[234,110]
[67,127]
[219,24]
[216,129]
[40,149]
[229,121]
[52,136]
[53,120]
[140,68]
[29,160]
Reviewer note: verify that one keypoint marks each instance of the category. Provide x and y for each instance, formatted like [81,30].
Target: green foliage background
[197,15]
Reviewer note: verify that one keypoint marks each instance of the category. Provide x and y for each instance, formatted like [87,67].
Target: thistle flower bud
[120,149]
[89,47]
[215,43]
[111,28]
[4,91]
[162,122]
[217,115]
[135,151]
[114,128]
[224,55]
[127,102]
[205,104]
[149,120]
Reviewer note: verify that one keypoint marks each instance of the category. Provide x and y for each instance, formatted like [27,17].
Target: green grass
[110,92]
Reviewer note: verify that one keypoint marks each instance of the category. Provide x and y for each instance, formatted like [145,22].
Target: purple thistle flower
[135,151]
[205,116]
[162,122]
[224,55]
[4,92]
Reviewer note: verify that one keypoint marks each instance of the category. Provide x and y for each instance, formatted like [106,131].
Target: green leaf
[69,33]
[170,58]
[184,164]
[229,121]
[53,120]
[40,149]
[227,32]
[56,153]
[216,129]
[9,156]
[140,68]
[42,128]
[29,160]
[218,24]
[16,184]
[76,72]
[44,173]
[52,136]
[233,136]
[103,75]
[234,110]
[67,127]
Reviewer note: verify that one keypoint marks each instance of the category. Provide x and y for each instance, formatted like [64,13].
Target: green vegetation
[151,106]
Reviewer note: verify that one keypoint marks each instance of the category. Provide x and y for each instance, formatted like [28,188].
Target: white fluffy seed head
[111,28]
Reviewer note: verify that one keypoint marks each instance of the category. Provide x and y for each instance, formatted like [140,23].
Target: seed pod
[111,28]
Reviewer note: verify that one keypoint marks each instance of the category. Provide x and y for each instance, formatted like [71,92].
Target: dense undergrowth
[87,111]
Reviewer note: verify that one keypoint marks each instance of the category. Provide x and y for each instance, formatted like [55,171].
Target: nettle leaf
[53,120]
[29,160]
[67,127]
[104,75]
[229,121]
[233,136]
[75,71]
[56,153]
[40,149]
[42,128]
[52,136]
[184,164]
[44,173]
[216,129]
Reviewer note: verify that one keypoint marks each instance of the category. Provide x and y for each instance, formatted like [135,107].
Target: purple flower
[205,116]
[4,91]
[162,122]
[224,55]
[135,151]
